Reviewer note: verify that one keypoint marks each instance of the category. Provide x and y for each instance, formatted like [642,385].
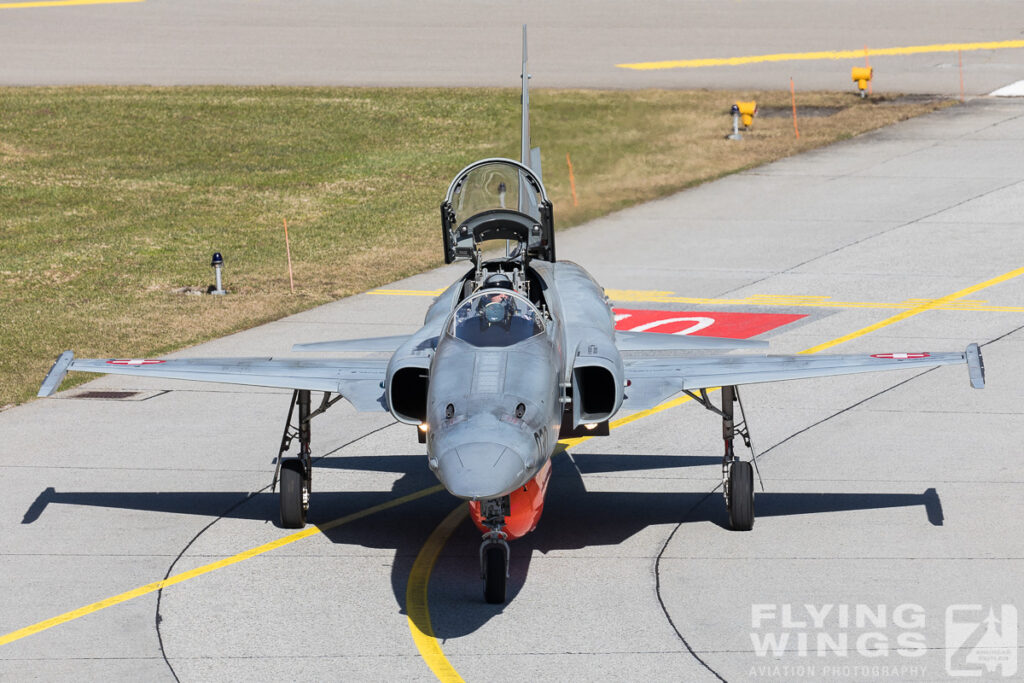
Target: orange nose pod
[526,505]
[861,75]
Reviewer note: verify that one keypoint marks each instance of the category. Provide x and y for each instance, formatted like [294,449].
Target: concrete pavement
[882,492]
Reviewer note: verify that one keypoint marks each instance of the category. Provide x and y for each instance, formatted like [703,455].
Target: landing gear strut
[494,550]
[737,475]
[296,474]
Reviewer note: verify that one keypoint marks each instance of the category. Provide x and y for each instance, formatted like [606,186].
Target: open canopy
[496,199]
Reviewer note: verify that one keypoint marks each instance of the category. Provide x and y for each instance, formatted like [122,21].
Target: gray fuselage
[494,408]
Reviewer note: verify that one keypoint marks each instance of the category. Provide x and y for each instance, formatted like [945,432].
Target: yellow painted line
[765,300]
[213,566]
[831,54]
[62,3]
[930,305]
[416,597]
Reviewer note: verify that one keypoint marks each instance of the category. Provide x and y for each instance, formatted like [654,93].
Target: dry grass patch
[113,198]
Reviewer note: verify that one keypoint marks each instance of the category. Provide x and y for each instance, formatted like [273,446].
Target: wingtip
[975,366]
[56,374]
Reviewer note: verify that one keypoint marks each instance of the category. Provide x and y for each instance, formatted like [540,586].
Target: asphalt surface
[449,43]
[895,493]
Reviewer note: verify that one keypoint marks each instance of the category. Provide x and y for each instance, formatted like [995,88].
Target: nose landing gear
[494,550]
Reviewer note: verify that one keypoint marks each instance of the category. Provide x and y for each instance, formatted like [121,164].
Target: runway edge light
[744,111]
[861,75]
[217,263]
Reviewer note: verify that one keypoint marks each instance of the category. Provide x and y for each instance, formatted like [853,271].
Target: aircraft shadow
[574,518]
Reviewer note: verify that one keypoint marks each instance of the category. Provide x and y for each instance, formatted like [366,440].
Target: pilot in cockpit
[495,306]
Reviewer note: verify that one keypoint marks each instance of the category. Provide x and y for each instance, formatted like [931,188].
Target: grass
[113,198]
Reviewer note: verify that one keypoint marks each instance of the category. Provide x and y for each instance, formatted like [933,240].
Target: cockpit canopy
[495,317]
[497,199]
[495,184]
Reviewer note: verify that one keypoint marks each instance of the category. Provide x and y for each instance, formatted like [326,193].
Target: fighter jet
[518,353]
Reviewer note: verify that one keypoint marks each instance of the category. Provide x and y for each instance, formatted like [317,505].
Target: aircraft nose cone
[480,470]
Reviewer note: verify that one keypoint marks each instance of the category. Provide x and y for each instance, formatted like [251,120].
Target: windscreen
[495,317]
[494,185]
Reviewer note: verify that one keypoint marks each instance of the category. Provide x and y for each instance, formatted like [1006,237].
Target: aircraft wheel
[495,577]
[741,496]
[293,484]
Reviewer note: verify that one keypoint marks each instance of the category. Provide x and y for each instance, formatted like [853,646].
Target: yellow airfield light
[747,112]
[861,75]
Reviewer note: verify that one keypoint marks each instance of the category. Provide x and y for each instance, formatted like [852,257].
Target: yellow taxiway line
[61,3]
[417,606]
[928,306]
[767,300]
[829,54]
[416,599]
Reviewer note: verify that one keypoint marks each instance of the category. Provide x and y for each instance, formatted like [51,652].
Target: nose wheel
[494,551]
[494,569]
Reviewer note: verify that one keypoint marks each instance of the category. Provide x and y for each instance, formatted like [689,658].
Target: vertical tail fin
[525,157]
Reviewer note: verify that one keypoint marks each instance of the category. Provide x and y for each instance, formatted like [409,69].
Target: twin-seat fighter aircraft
[517,353]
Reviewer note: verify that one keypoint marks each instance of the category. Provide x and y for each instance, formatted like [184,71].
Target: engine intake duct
[596,394]
[407,394]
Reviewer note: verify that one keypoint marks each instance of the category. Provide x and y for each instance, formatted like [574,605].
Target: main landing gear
[737,475]
[494,551]
[296,474]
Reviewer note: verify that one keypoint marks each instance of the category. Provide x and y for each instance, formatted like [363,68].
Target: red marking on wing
[900,356]
[133,361]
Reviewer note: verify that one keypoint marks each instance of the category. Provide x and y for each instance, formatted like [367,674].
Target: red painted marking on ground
[701,323]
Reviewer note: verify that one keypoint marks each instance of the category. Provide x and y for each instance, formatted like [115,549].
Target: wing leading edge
[359,380]
[653,380]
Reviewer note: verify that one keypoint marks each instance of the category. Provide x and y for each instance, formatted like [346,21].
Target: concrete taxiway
[892,496]
[447,43]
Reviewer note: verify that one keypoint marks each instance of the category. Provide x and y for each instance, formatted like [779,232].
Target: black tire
[741,496]
[293,479]
[494,574]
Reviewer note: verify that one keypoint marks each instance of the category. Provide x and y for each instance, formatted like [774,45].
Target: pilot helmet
[498,280]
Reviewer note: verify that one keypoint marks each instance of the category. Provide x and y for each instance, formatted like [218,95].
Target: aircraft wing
[653,380]
[368,345]
[655,341]
[358,380]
